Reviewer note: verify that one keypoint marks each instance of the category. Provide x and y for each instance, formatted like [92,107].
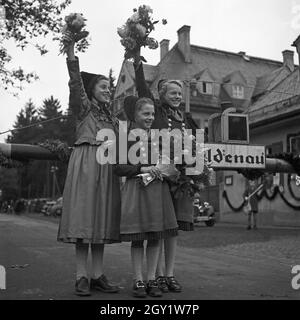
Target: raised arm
[78,100]
[140,82]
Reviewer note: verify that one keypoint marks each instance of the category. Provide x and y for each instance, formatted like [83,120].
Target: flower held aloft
[135,33]
[73,30]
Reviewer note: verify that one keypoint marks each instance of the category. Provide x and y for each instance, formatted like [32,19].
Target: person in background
[253,201]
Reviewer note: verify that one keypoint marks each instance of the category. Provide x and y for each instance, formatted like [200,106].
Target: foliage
[73,30]
[25,22]
[35,179]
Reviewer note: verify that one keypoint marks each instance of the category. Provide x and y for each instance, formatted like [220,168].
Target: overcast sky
[261,28]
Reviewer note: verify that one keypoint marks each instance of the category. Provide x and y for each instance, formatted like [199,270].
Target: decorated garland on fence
[291,189]
[60,149]
[260,196]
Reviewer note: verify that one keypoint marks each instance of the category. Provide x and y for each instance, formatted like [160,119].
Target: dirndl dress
[147,211]
[91,198]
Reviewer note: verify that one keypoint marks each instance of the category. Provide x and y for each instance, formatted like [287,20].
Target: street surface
[222,262]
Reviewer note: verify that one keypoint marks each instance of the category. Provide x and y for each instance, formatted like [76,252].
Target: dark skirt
[184,210]
[147,212]
[91,200]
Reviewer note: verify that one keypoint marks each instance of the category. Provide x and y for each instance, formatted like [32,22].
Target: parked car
[204,212]
[54,208]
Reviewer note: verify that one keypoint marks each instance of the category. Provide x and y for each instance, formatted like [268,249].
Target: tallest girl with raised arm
[91,198]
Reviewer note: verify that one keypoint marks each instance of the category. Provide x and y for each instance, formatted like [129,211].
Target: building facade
[265,89]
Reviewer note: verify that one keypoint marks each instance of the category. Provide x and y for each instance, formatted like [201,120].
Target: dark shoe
[103,285]
[248,228]
[153,289]
[82,287]
[162,284]
[173,284]
[255,227]
[139,289]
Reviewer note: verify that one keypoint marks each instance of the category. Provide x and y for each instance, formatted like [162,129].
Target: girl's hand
[153,171]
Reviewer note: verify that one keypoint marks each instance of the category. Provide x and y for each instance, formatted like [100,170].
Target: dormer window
[207,87]
[204,87]
[238,91]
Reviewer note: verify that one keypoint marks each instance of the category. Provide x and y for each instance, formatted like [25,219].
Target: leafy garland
[253,174]
[260,196]
[61,149]
[291,189]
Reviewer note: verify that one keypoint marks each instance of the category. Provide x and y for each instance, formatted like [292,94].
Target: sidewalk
[222,262]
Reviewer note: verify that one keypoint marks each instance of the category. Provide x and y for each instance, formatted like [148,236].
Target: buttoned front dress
[147,211]
[91,197]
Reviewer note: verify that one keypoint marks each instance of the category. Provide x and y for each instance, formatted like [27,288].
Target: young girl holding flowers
[91,198]
[147,211]
[168,116]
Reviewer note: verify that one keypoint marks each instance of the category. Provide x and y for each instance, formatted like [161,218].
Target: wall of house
[275,212]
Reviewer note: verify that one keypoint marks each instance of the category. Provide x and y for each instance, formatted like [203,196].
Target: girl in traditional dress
[169,116]
[91,198]
[147,211]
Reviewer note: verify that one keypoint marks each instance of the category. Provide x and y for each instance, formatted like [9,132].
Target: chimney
[288,59]
[296,44]
[184,44]
[164,48]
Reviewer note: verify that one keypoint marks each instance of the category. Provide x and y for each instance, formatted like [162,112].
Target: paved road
[223,262]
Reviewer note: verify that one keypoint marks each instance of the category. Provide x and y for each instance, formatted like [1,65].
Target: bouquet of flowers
[135,33]
[167,169]
[73,30]
[191,184]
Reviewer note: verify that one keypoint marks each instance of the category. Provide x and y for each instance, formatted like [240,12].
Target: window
[238,91]
[294,144]
[207,87]
[204,87]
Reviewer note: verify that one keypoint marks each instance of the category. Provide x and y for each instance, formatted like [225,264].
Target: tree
[51,110]
[24,21]
[27,117]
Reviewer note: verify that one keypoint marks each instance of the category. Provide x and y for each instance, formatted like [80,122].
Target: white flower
[122,32]
[141,29]
[135,17]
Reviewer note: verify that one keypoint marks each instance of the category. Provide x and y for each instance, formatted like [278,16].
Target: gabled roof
[270,80]
[229,77]
[199,74]
[222,63]
[287,89]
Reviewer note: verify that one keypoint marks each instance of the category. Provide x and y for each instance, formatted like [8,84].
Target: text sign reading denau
[235,156]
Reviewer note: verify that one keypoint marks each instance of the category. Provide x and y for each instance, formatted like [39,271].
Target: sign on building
[236,156]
